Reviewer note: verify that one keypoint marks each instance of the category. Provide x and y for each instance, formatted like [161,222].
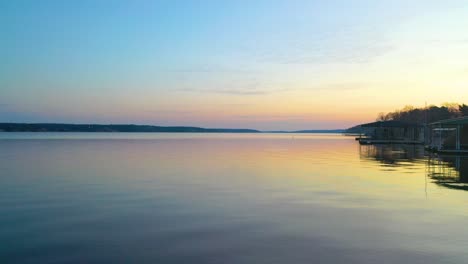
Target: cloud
[178,112]
[345,86]
[235,91]
[212,69]
[225,91]
[277,117]
[445,42]
[348,53]
[244,86]
[348,44]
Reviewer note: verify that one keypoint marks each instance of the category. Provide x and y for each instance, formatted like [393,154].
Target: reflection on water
[396,155]
[224,198]
[448,171]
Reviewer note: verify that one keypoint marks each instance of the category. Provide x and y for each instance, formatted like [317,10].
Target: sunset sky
[235,64]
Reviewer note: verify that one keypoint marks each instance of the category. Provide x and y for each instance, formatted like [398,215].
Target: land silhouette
[430,114]
[58,127]
[420,115]
[408,114]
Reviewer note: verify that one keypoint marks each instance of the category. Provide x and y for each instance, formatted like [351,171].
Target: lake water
[227,198]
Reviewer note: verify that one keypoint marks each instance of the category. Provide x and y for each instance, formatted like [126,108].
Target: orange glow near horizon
[324,66]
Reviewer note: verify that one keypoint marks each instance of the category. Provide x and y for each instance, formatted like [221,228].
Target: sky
[270,65]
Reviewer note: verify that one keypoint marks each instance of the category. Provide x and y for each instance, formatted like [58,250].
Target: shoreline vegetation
[61,127]
[420,115]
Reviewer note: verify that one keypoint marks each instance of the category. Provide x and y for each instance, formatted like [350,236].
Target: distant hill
[48,127]
[353,130]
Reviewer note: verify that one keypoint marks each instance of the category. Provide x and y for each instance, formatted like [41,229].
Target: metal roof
[391,123]
[453,121]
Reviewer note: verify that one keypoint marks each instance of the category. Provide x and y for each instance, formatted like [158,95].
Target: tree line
[427,114]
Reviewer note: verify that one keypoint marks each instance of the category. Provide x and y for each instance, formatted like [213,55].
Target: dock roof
[453,121]
[391,123]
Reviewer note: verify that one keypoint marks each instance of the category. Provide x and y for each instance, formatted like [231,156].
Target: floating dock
[391,132]
[447,151]
[368,141]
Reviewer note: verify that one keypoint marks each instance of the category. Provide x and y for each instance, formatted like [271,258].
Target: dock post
[457,145]
[440,137]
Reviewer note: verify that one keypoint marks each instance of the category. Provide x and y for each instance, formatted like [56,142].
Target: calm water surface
[227,198]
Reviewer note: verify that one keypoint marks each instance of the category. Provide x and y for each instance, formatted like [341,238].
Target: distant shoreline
[130,128]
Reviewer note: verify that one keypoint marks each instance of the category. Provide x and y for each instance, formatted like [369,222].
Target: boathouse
[391,132]
[449,136]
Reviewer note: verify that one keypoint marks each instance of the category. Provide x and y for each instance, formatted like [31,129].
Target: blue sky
[259,64]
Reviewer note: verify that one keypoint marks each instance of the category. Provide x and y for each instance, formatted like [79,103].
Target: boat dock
[391,132]
[449,136]
[368,141]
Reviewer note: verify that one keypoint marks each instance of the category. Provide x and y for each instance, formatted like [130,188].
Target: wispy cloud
[358,44]
[235,91]
[276,117]
[344,86]
[209,69]
[178,112]
[236,86]
[463,41]
[348,53]
[224,91]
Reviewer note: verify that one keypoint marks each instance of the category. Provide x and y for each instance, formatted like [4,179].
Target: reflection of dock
[392,153]
[449,171]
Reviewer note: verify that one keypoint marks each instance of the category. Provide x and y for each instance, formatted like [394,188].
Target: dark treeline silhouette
[48,127]
[428,114]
